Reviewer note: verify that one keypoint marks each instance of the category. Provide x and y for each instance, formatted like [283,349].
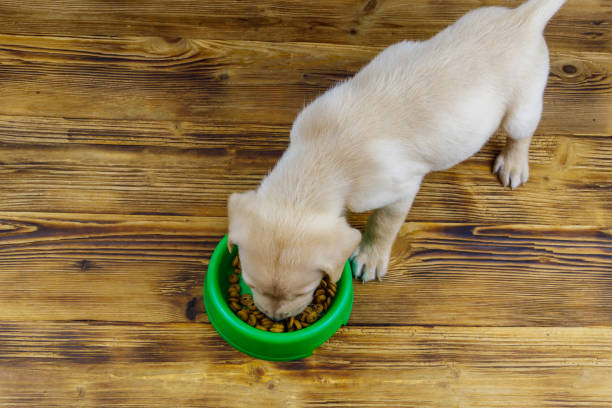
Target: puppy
[367,143]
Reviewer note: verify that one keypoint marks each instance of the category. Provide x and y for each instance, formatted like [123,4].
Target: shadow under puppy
[367,143]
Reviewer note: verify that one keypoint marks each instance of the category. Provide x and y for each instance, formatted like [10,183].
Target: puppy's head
[285,252]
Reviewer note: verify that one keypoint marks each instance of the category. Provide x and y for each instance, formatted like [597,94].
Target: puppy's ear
[343,240]
[239,212]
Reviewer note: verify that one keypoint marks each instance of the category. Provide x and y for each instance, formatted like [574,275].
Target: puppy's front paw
[370,262]
[512,169]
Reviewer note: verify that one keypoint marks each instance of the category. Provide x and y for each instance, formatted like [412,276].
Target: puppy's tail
[536,13]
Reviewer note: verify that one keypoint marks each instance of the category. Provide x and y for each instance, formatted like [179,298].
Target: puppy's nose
[279,316]
[272,314]
[276,315]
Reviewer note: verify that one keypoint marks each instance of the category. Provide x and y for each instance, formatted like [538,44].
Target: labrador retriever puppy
[367,143]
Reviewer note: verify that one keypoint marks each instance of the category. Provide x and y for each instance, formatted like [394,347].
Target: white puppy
[367,143]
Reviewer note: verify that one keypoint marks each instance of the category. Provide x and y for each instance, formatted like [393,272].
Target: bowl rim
[343,294]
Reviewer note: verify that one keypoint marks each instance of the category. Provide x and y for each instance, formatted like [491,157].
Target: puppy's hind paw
[512,170]
[369,262]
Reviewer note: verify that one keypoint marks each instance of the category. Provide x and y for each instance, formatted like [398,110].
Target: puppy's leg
[522,118]
[371,258]
[512,164]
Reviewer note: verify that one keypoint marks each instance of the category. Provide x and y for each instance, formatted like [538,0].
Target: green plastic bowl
[267,345]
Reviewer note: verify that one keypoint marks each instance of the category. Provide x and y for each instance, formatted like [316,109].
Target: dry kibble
[318,308]
[245,309]
[277,328]
[311,318]
[246,299]
[243,314]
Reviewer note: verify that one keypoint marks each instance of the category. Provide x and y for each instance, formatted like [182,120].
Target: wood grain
[224,81]
[124,126]
[581,24]
[152,269]
[66,165]
[187,365]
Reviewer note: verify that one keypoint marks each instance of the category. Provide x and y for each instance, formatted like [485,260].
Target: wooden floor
[124,125]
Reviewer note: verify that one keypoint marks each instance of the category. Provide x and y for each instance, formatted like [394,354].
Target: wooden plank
[467,192]
[151,269]
[112,167]
[269,139]
[236,81]
[80,266]
[506,275]
[59,131]
[578,25]
[188,365]
[154,78]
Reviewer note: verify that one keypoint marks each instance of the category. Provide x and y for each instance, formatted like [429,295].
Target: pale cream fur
[367,143]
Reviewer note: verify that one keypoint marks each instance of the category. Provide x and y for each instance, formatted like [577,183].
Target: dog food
[245,308]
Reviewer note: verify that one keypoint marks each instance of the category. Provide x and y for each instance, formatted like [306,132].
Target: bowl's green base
[260,356]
